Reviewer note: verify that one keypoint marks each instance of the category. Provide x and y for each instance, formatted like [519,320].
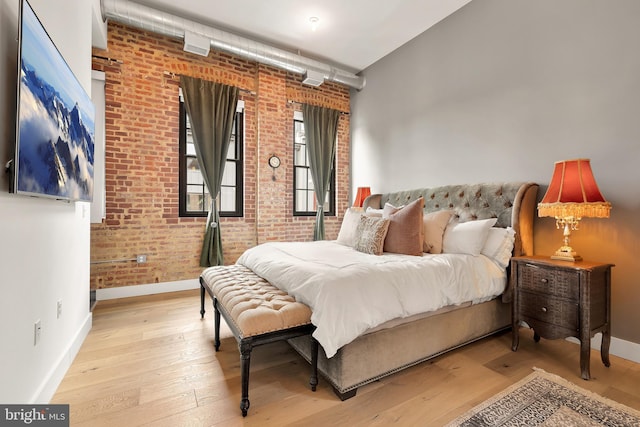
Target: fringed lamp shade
[363,193]
[572,195]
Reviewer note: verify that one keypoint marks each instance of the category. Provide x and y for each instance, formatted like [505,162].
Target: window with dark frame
[304,196]
[195,199]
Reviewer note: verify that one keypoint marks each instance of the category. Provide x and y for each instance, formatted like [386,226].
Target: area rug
[544,399]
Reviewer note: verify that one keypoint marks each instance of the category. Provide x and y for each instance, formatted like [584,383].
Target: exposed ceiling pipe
[148,19]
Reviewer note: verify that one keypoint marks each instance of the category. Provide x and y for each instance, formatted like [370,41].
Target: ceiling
[351,34]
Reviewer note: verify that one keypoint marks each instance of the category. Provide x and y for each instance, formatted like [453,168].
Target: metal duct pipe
[148,19]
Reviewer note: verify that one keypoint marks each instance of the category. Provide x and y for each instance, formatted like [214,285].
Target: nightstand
[560,299]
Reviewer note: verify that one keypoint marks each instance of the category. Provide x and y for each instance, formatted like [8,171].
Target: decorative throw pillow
[370,235]
[434,224]
[499,245]
[466,237]
[405,228]
[347,233]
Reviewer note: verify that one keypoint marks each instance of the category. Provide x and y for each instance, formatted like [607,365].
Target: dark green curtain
[320,128]
[211,108]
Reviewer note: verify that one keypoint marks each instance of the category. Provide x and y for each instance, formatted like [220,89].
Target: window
[195,199]
[304,196]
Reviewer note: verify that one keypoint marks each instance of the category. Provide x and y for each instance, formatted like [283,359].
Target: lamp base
[566,252]
[566,255]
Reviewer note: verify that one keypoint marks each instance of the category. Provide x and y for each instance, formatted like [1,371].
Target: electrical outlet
[37,331]
[141,259]
[59,309]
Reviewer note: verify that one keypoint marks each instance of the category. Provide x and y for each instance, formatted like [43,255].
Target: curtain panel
[321,129]
[211,108]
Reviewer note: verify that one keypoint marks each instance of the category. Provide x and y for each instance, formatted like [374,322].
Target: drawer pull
[544,309]
[544,280]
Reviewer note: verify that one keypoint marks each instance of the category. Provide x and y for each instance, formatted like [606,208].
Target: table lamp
[363,193]
[572,195]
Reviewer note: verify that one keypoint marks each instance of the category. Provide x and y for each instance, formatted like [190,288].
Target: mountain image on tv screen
[55,122]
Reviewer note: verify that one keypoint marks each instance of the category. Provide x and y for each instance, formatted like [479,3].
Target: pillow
[370,235]
[405,228]
[373,212]
[466,237]
[388,209]
[347,233]
[434,224]
[499,245]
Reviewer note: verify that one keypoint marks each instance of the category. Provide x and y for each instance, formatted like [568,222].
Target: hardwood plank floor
[150,361]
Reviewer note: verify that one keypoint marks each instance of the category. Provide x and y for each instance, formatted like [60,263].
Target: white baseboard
[49,386]
[619,347]
[150,289]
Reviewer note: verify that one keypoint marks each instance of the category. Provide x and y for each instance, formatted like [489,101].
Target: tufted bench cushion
[255,306]
[257,313]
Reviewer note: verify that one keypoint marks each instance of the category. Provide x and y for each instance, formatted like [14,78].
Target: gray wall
[501,90]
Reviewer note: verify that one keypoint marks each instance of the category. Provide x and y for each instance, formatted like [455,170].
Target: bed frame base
[382,353]
[346,395]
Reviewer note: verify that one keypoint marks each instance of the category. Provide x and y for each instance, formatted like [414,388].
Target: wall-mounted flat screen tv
[55,120]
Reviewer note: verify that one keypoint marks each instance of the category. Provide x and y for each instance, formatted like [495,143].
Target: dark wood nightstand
[560,299]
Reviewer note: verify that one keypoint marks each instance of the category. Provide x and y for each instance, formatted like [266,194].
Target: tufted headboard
[513,203]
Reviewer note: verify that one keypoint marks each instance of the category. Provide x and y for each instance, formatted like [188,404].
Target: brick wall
[142,78]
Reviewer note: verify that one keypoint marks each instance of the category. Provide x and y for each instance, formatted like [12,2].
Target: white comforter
[350,292]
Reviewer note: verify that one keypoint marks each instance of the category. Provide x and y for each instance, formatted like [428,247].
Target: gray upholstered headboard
[513,203]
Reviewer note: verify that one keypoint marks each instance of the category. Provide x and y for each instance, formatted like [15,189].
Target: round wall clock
[274,161]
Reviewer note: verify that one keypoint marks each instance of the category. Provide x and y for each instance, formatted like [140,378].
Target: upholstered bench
[257,313]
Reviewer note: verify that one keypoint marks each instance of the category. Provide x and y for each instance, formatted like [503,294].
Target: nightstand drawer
[553,311]
[549,281]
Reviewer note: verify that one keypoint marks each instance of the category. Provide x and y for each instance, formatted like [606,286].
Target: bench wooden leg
[313,381]
[201,301]
[216,324]
[245,361]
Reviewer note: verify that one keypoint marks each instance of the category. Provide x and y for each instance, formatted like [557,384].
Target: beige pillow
[347,233]
[405,228]
[370,235]
[434,224]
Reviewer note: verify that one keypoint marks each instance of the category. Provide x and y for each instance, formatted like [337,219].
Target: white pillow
[466,237]
[347,233]
[499,245]
[389,207]
[373,212]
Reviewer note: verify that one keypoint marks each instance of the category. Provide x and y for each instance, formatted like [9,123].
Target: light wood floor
[150,360]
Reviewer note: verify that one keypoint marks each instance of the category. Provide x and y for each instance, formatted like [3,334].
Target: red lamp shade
[572,195]
[573,192]
[363,193]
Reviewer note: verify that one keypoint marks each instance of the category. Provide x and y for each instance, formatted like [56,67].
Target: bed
[383,336]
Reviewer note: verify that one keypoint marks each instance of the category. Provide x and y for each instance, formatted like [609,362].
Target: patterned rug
[544,399]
